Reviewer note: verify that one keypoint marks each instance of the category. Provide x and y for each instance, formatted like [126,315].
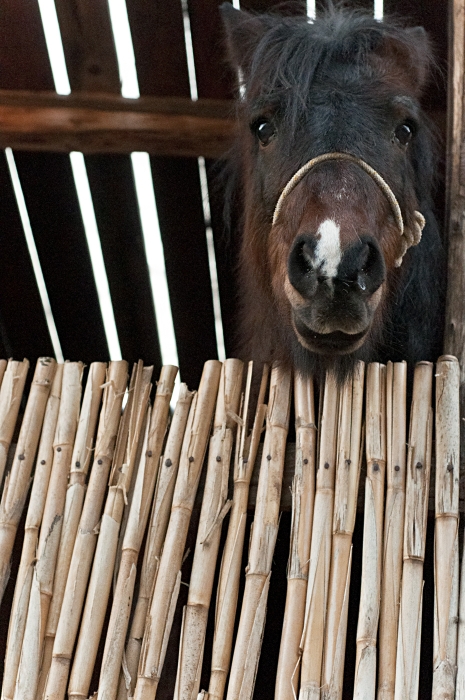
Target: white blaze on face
[328,248]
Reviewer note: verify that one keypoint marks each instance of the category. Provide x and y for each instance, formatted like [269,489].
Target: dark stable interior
[51,200]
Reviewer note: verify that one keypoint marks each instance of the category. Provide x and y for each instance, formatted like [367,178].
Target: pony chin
[342,367]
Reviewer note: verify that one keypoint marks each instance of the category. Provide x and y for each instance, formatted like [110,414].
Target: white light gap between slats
[205,196]
[95,249]
[378,9]
[62,87]
[31,244]
[145,193]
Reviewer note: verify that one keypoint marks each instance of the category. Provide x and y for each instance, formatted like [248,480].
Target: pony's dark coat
[341,83]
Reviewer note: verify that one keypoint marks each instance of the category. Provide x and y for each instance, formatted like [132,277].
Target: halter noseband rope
[409,237]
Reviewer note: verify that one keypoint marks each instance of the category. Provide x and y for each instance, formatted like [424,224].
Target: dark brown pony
[336,272]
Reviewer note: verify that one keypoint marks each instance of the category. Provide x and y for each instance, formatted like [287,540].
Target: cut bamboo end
[11,391]
[3,366]
[82,451]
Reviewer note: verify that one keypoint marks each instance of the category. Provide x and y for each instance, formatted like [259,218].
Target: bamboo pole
[11,391]
[416,512]
[263,540]
[19,608]
[215,506]
[446,559]
[84,546]
[228,584]
[17,481]
[105,555]
[155,538]
[396,432]
[80,462]
[303,494]
[49,539]
[368,618]
[3,366]
[320,551]
[20,604]
[345,508]
[159,619]
[137,521]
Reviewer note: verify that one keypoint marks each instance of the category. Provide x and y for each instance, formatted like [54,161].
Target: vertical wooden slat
[158,38]
[88,45]
[92,66]
[23,65]
[23,53]
[23,329]
[454,341]
[53,208]
[116,210]
[216,79]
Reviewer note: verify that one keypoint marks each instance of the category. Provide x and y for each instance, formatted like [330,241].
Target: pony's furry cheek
[376,299]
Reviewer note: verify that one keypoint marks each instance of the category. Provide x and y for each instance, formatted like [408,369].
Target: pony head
[336,170]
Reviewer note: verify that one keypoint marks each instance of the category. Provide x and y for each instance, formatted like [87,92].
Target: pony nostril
[363,265]
[300,268]
[306,252]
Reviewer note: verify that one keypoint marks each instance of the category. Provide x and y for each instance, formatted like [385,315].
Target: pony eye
[265,131]
[404,133]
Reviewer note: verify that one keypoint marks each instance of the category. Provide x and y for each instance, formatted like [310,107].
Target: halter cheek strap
[409,236]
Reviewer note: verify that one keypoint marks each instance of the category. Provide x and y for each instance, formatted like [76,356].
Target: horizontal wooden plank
[98,123]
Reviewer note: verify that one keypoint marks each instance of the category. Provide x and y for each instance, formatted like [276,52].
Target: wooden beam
[104,123]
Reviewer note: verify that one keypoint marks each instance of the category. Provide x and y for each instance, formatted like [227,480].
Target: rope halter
[409,236]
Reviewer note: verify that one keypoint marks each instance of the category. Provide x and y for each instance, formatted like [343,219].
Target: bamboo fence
[146,468]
